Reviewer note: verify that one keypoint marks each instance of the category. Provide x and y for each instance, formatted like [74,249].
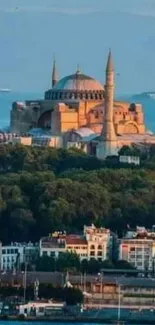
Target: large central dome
[77,86]
[78,81]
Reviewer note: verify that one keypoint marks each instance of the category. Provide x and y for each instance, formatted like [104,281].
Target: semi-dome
[76,86]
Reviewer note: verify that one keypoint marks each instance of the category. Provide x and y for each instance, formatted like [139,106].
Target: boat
[5,90]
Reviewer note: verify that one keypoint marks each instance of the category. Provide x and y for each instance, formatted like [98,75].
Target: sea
[53,323]
[7,98]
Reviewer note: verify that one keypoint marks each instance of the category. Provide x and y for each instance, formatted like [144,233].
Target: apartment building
[53,245]
[138,248]
[77,244]
[17,253]
[94,243]
[99,241]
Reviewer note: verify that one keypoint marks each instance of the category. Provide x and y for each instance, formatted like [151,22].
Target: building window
[92,247]
[99,253]
[99,247]
[3,251]
[44,253]
[96,115]
[92,253]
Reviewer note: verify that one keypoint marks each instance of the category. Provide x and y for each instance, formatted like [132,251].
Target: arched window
[99,247]
[92,247]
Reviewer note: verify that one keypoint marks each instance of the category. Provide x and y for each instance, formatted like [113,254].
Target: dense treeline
[70,262]
[42,190]
[69,295]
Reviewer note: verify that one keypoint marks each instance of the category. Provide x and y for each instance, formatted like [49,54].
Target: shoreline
[64,319]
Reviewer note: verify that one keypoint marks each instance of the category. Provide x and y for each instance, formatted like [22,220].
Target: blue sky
[77,32]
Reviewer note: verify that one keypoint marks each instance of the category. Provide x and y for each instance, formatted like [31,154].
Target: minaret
[108,144]
[54,74]
[108,125]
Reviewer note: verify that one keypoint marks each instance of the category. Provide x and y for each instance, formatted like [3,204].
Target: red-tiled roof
[75,240]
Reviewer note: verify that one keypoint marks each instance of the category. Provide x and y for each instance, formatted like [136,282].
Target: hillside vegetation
[43,190]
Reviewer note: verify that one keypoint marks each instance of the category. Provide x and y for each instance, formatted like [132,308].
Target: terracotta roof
[75,240]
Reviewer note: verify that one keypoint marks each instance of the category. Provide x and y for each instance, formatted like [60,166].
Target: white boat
[5,90]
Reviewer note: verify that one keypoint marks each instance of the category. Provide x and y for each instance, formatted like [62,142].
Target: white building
[17,253]
[53,245]
[138,248]
[129,160]
[41,309]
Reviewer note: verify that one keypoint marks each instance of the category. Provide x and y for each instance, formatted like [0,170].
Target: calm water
[47,323]
[6,100]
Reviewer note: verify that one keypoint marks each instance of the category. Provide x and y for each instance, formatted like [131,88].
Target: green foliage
[44,189]
[70,262]
[71,296]
[121,264]
[129,151]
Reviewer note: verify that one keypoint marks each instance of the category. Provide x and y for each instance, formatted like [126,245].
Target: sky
[77,32]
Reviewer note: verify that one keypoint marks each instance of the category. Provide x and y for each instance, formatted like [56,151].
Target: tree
[122,264]
[129,151]
[73,296]
[68,262]
[107,264]
[48,189]
[45,264]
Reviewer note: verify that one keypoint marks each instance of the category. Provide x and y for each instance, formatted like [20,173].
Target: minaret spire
[54,73]
[108,125]
[110,66]
[108,145]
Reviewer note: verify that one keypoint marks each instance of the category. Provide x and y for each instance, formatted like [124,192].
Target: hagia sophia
[79,111]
